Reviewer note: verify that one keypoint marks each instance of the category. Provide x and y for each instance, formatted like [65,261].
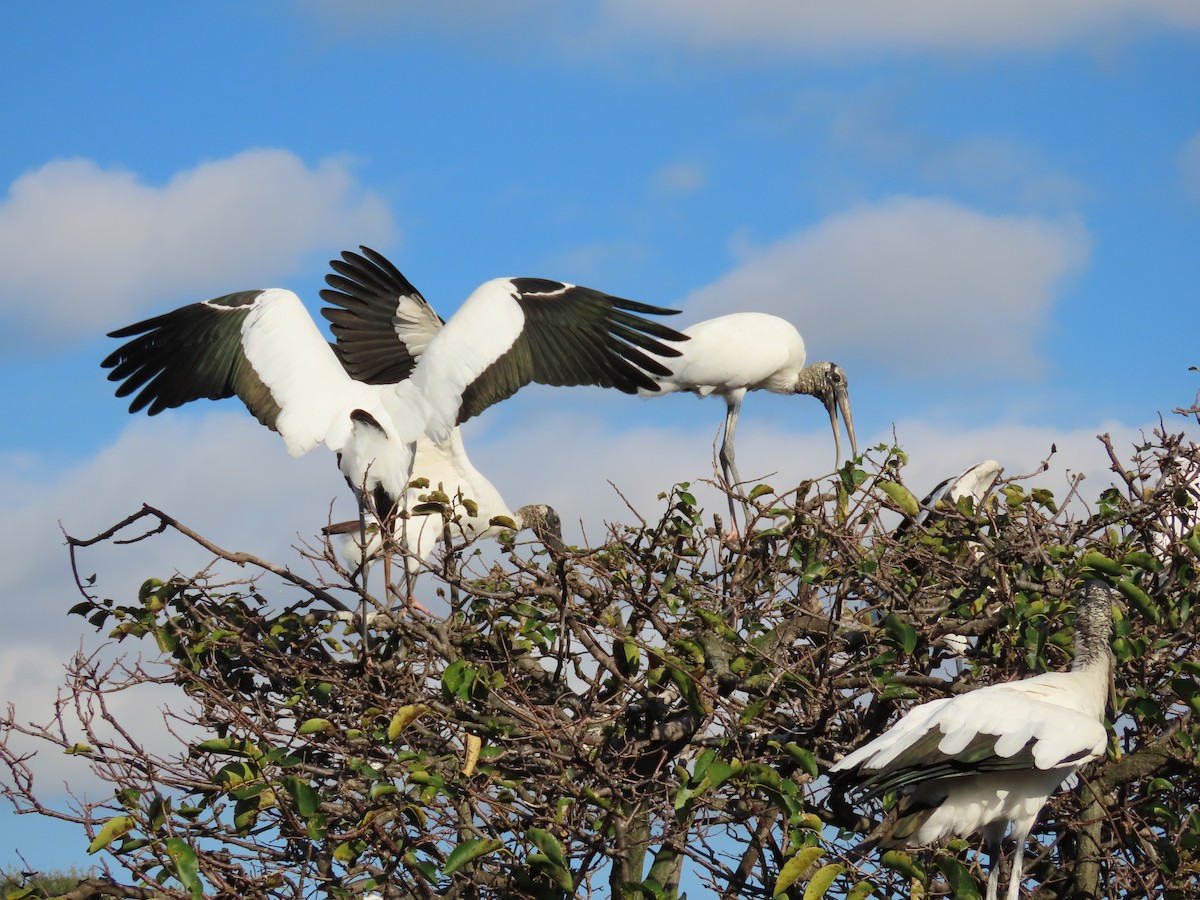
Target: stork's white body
[752,351]
[316,398]
[990,758]
[747,351]
[446,466]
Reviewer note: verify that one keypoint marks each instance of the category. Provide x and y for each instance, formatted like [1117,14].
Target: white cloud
[223,475]
[681,178]
[1189,165]
[1000,168]
[916,287]
[84,248]
[953,26]
[813,27]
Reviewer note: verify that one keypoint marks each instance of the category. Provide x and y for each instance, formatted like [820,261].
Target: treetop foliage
[644,717]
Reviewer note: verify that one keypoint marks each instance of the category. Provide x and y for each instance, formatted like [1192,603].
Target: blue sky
[988,214]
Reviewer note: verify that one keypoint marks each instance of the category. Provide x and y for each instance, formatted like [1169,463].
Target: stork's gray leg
[363,565]
[1016,873]
[728,464]
[993,843]
[410,576]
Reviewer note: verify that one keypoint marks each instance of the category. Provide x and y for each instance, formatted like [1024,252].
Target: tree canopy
[650,716]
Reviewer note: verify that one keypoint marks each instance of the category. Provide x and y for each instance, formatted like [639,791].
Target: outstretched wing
[512,331]
[261,346]
[381,322]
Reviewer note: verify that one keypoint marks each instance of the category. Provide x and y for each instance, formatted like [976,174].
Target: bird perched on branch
[750,351]
[990,758]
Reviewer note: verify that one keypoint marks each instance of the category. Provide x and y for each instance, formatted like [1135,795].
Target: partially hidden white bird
[974,482]
[749,351]
[481,513]
[990,758]
[403,381]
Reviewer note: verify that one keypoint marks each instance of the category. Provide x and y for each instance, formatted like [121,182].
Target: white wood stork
[383,325]
[424,532]
[990,758]
[974,482]
[399,378]
[751,351]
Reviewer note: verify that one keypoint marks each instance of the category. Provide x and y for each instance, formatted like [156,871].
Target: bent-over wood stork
[990,758]
[372,401]
[751,351]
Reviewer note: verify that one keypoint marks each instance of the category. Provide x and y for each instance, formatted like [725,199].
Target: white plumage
[974,482]
[398,381]
[990,758]
[752,351]
[446,466]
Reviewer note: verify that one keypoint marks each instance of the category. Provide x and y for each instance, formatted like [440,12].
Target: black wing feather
[381,322]
[192,353]
[574,336]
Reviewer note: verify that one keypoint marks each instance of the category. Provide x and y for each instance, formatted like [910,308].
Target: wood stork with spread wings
[990,758]
[385,390]
[382,325]
[751,351]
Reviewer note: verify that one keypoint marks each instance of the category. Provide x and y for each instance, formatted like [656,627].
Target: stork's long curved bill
[840,399]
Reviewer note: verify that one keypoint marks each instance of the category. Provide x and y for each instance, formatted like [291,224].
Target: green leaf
[901,862]
[959,877]
[759,490]
[902,633]
[114,828]
[1101,563]
[1044,497]
[458,678]
[560,876]
[306,800]
[215,745]
[795,867]
[861,891]
[902,498]
[822,881]
[548,844]
[468,851]
[315,726]
[187,866]
[1140,600]
[807,761]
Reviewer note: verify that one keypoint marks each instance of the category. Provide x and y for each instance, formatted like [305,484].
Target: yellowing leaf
[404,717]
[795,867]
[822,881]
[114,828]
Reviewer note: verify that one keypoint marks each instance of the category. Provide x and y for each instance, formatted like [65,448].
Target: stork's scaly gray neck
[1093,634]
[813,379]
[1093,626]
